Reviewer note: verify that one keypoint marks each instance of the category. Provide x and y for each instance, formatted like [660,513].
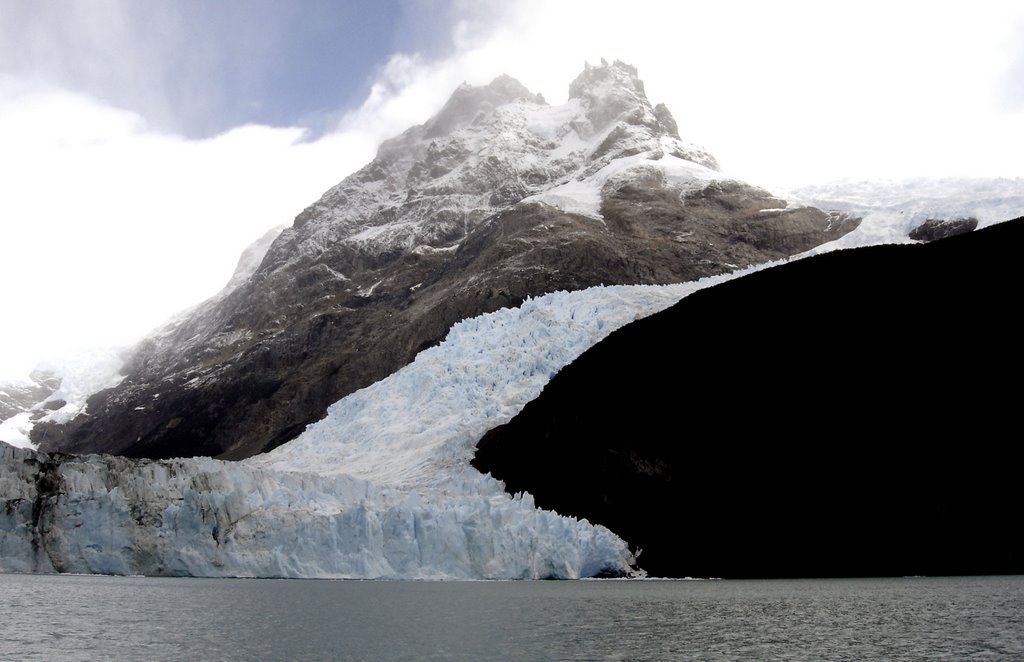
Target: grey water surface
[62,617]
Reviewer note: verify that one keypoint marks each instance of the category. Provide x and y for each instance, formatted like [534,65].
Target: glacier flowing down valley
[380,488]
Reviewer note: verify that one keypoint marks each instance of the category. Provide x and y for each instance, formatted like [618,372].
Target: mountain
[845,414]
[498,198]
[356,359]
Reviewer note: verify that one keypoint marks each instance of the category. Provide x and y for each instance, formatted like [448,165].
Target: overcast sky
[143,145]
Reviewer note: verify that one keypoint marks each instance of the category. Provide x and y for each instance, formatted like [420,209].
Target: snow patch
[15,430]
[584,196]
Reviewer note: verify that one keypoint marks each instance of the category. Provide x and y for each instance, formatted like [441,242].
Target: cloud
[110,227]
[1011,95]
[783,92]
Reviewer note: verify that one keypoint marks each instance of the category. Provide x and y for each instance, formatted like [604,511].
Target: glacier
[380,488]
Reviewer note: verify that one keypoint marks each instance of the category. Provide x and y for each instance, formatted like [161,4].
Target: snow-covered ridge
[891,209]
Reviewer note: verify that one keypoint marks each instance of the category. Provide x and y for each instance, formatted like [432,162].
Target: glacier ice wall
[203,517]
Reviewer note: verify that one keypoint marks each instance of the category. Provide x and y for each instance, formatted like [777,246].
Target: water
[85,618]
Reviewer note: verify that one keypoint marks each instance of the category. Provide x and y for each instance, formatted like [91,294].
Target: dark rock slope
[855,413]
[496,198]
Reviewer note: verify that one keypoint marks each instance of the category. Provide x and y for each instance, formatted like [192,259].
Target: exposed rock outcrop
[937,228]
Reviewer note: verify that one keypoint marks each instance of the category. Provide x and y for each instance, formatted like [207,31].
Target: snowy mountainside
[68,383]
[890,210]
[498,198]
[71,380]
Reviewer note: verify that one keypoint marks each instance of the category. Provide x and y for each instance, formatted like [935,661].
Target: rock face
[497,198]
[937,228]
[785,423]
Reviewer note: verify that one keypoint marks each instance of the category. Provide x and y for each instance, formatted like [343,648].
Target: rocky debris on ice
[938,228]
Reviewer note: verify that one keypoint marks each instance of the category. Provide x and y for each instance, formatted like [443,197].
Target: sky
[144,145]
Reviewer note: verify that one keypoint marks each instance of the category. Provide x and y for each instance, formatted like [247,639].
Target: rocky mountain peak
[603,78]
[611,92]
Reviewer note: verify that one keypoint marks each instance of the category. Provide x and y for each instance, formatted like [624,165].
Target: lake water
[60,617]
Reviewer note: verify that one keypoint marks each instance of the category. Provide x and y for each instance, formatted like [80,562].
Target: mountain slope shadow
[849,414]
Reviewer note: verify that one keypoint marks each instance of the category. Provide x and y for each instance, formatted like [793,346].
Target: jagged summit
[612,92]
[497,198]
[603,77]
[469,103]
